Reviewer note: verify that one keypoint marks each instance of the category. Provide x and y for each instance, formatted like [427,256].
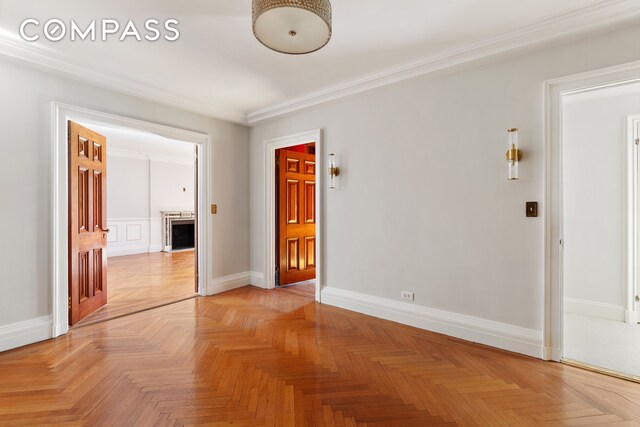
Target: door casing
[554,91]
[59,211]
[270,238]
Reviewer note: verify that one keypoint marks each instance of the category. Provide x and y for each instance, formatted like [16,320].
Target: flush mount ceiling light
[294,27]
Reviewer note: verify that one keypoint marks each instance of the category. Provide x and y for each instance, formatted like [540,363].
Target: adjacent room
[600,228]
[357,213]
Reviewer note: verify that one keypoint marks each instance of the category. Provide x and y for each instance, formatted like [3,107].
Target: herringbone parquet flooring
[140,282]
[252,357]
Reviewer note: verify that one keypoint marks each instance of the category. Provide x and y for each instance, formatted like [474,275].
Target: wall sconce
[334,171]
[514,155]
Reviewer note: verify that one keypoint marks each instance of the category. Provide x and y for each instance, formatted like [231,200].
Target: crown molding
[62,65]
[596,16]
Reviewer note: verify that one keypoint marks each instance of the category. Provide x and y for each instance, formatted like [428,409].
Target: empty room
[320,213]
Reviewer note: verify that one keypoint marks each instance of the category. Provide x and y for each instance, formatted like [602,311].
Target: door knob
[107,230]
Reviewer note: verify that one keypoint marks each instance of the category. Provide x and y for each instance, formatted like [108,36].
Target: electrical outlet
[406,295]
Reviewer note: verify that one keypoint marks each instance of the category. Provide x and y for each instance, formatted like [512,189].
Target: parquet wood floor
[305,290]
[140,282]
[252,357]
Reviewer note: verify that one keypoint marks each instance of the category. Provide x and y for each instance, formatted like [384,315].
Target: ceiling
[136,142]
[218,68]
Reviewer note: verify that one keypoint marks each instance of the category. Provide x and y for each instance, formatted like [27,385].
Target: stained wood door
[296,217]
[87,222]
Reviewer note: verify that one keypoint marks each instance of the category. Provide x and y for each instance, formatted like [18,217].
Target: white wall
[594,180]
[424,204]
[168,180]
[127,187]
[25,185]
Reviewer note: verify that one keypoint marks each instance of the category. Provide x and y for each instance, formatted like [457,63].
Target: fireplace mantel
[168,219]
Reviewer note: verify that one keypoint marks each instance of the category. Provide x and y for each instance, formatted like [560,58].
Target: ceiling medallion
[294,27]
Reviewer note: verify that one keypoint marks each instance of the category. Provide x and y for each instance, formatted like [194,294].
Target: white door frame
[271,146]
[632,152]
[554,91]
[61,113]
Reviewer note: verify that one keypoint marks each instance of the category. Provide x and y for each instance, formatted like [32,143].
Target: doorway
[61,115]
[599,232]
[148,215]
[295,203]
[591,216]
[271,238]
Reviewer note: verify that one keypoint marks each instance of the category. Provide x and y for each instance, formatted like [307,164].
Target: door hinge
[69,303]
[637,298]
[637,141]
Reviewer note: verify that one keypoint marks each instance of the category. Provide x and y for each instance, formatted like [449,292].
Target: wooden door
[296,217]
[87,222]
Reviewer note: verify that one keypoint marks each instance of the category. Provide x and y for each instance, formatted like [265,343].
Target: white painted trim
[155,248]
[495,334]
[554,91]
[42,58]
[257,279]
[595,309]
[592,17]
[227,283]
[602,94]
[60,114]
[132,219]
[270,147]
[632,213]
[24,333]
[130,250]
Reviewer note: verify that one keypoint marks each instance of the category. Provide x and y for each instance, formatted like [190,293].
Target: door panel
[87,222]
[296,216]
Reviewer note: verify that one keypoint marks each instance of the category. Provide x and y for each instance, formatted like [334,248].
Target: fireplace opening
[183,235]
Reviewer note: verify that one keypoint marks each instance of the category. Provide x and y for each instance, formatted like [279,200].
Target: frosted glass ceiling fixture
[294,27]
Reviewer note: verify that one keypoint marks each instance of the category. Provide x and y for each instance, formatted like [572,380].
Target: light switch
[532,209]
[214,209]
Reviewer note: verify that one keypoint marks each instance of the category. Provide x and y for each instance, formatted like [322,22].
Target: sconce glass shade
[293,27]
[513,154]
[334,171]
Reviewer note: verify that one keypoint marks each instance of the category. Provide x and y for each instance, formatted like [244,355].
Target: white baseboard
[155,248]
[257,279]
[552,353]
[227,283]
[133,250]
[26,332]
[595,309]
[495,334]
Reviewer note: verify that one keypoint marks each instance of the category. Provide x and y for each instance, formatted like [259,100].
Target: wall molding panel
[26,332]
[131,236]
[474,329]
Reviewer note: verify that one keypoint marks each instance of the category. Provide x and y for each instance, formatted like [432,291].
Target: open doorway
[600,137]
[144,213]
[295,225]
[271,239]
